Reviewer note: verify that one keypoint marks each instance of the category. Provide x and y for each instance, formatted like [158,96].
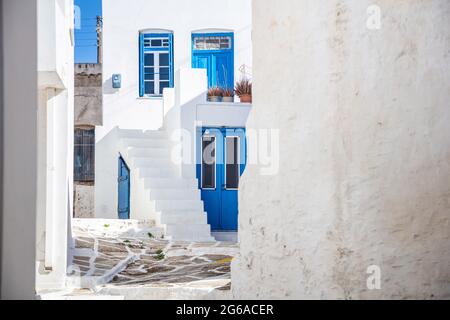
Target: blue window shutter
[171,60]
[141,65]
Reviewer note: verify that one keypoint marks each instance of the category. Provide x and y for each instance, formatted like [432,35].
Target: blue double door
[123,180]
[222,154]
[215,53]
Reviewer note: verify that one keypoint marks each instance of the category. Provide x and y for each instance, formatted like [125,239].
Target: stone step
[146,162]
[157,172]
[175,194]
[149,152]
[169,183]
[145,142]
[188,232]
[139,134]
[162,205]
[183,217]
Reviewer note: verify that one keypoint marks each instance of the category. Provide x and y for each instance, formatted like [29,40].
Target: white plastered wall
[364,147]
[19,129]
[55,141]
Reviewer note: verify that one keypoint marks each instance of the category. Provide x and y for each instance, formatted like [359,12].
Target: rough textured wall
[84,200]
[364,173]
[88,94]
[19,128]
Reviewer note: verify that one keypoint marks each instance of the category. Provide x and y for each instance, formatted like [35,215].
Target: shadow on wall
[108,88]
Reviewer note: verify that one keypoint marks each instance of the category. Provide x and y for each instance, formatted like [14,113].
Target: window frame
[144,37]
[227,34]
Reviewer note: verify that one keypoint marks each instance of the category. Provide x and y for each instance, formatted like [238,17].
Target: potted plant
[214,94]
[244,90]
[227,95]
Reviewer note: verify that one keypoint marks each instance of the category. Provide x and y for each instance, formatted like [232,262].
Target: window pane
[149,59]
[225,43]
[208,163]
[213,43]
[199,43]
[148,70]
[162,85]
[164,59]
[84,154]
[149,87]
[157,43]
[149,76]
[232,163]
[164,73]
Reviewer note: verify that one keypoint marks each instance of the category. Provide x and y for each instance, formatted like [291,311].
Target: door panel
[204,61]
[209,172]
[224,70]
[124,190]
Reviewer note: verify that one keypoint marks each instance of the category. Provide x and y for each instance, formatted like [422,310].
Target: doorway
[215,53]
[222,154]
[123,207]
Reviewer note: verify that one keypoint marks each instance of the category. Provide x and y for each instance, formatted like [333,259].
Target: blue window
[155,63]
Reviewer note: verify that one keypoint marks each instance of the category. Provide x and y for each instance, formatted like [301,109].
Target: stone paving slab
[122,263]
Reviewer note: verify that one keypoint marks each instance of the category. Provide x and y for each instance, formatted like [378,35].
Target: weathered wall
[364,174]
[88,94]
[84,200]
[19,127]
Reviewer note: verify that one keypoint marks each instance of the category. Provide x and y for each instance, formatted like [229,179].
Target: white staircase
[159,190]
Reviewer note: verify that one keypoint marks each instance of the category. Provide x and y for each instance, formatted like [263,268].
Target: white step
[145,143]
[175,194]
[157,172]
[150,152]
[151,162]
[139,134]
[191,232]
[184,217]
[169,183]
[162,205]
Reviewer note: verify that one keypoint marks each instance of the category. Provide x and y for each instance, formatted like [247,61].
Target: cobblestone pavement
[151,262]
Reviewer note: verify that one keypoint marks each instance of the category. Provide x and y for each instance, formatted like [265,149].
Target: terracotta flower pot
[246,98]
[214,98]
[227,99]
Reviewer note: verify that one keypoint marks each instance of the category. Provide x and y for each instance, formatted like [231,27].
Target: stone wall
[88,94]
[364,175]
[84,200]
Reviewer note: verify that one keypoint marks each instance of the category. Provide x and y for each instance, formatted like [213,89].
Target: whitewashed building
[159,59]
[37,122]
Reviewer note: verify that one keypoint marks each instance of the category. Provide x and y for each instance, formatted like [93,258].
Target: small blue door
[215,52]
[222,154]
[124,190]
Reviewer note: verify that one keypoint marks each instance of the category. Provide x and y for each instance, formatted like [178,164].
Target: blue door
[222,154]
[124,190]
[215,52]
